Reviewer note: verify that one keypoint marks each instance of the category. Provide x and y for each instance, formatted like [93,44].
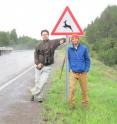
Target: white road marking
[14,79]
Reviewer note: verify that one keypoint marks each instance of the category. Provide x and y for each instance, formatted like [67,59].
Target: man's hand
[39,66]
[62,41]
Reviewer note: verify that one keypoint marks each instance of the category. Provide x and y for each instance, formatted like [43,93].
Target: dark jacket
[79,59]
[44,52]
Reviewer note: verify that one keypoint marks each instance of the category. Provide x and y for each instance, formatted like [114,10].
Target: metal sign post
[67,67]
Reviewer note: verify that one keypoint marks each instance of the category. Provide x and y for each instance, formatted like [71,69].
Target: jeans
[41,77]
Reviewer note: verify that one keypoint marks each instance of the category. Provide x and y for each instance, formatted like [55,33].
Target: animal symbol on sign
[67,26]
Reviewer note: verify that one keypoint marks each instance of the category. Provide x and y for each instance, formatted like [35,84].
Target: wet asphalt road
[15,104]
[14,63]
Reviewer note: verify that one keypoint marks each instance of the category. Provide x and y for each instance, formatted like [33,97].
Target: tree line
[101,34]
[10,39]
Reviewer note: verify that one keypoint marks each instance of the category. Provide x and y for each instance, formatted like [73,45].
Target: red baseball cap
[76,36]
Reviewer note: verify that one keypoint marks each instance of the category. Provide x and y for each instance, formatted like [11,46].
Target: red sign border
[67,33]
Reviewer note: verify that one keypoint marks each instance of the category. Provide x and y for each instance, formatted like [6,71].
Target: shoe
[85,106]
[32,98]
[40,99]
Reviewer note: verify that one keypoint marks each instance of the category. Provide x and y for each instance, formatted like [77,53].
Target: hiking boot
[40,99]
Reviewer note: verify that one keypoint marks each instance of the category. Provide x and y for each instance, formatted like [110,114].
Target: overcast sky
[29,17]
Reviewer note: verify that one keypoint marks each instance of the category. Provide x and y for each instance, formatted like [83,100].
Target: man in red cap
[79,62]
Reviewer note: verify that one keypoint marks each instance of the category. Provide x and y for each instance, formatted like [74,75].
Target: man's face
[75,41]
[45,36]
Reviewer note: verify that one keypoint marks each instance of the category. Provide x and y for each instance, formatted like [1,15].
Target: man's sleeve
[57,42]
[36,56]
[87,60]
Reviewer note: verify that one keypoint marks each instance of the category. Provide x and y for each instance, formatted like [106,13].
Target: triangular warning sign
[67,24]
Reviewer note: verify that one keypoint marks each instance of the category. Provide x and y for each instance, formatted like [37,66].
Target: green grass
[102,92]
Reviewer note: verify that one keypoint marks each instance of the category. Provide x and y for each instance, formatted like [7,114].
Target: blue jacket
[79,60]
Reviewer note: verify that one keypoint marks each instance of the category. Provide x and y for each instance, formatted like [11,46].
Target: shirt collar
[46,40]
[72,46]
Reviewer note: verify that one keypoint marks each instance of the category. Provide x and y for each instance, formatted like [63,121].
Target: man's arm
[38,65]
[87,60]
[36,56]
[58,42]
